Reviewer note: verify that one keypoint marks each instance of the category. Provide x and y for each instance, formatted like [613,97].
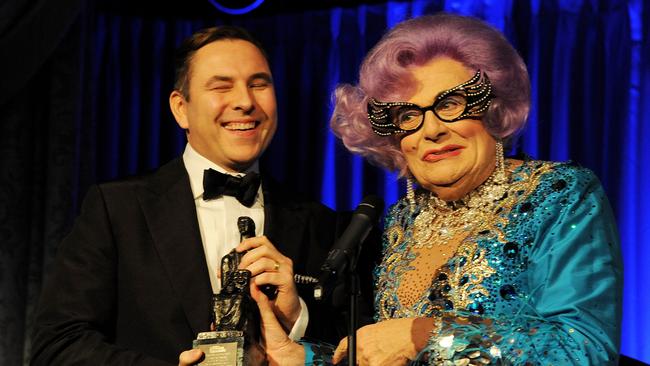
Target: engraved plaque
[221,348]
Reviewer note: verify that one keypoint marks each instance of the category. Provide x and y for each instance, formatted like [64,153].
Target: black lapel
[170,212]
[284,221]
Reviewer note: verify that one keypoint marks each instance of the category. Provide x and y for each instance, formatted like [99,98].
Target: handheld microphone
[349,244]
[246,227]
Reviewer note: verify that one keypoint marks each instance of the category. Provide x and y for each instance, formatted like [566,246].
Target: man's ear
[178,106]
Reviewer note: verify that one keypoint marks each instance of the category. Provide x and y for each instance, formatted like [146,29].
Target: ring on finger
[276,266]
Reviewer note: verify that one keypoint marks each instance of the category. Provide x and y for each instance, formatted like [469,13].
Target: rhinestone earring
[410,192]
[500,168]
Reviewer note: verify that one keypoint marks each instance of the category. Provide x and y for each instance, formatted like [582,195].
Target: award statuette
[235,315]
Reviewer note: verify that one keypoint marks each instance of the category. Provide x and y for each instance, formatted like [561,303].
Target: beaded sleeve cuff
[317,354]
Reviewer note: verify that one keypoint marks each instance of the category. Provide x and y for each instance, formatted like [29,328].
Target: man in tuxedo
[133,281]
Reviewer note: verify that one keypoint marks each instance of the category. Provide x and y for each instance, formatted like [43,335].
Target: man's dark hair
[189,46]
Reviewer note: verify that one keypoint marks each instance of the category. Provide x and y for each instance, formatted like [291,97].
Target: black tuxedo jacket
[130,283]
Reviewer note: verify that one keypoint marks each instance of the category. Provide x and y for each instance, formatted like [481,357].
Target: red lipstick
[444,152]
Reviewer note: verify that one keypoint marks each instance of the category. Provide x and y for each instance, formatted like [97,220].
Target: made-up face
[231,114]
[448,158]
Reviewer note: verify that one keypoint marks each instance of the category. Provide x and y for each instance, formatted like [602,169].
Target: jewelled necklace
[439,221]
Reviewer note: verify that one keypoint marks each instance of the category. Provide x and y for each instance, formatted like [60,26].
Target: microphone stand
[325,291]
[353,285]
[349,245]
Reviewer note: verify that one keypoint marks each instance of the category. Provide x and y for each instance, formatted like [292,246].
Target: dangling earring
[500,168]
[410,192]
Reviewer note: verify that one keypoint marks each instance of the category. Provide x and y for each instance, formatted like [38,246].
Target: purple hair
[385,75]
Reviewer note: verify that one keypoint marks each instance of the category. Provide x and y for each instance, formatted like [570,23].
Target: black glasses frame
[477,92]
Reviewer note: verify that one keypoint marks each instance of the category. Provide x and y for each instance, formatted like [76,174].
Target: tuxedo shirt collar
[196,163]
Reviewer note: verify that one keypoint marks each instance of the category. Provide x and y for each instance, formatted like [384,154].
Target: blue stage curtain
[589,62]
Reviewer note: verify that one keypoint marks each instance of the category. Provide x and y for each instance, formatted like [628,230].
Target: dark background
[83,99]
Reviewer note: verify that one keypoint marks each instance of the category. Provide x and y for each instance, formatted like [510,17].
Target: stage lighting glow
[236,10]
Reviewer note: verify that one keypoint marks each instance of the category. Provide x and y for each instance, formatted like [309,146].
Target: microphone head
[246,226]
[371,206]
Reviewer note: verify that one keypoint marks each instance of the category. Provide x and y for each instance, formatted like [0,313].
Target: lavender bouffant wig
[385,76]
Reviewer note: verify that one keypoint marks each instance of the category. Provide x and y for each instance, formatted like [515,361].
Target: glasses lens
[406,117]
[451,106]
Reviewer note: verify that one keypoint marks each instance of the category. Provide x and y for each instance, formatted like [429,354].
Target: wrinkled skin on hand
[390,342]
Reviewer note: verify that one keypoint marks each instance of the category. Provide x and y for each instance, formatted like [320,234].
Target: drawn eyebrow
[473,80]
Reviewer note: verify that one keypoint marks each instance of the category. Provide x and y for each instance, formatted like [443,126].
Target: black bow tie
[244,189]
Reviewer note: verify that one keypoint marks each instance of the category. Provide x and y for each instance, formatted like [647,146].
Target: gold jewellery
[439,221]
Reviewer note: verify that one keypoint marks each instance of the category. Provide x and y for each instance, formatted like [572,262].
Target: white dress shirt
[218,223]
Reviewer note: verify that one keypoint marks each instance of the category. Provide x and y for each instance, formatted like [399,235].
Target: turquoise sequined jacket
[541,284]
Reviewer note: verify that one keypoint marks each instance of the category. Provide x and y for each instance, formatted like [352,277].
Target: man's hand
[190,357]
[280,350]
[269,267]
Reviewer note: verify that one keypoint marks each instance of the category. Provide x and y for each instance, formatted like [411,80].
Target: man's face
[450,159]
[230,114]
